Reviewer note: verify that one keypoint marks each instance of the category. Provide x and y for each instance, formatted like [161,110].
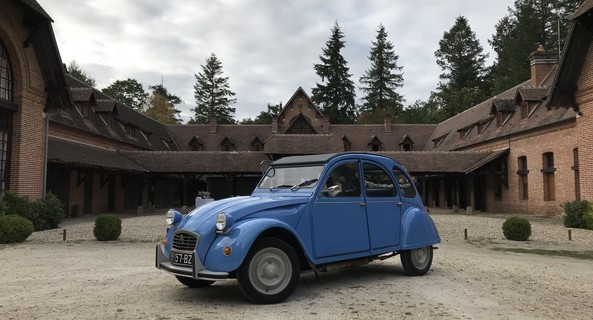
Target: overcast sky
[267,47]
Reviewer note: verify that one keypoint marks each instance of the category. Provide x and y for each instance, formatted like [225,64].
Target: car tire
[270,271]
[417,262]
[194,283]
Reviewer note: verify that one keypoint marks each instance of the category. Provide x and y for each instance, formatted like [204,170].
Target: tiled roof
[197,161]
[303,144]
[443,162]
[482,118]
[68,152]
[149,134]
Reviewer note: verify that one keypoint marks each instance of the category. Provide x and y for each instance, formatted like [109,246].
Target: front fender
[418,230]
[240,239]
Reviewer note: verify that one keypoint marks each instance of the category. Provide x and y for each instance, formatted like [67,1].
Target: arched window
[6,108]
[5,75]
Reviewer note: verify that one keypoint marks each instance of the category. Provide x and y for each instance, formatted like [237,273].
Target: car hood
[204,217]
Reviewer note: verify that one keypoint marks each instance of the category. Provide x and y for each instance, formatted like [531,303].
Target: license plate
[181,258]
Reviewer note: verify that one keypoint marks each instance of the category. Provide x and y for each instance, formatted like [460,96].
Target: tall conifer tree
[383,78]
[461,57]
[214,97]
[335,95]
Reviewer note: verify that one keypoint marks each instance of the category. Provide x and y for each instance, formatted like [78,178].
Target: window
[5,133]
[374,144]
[377,182]
[343,181]
[577,177]
[5,75]
[347,144]
[257,145]
[227,144]
[548,171]
[405,185]
[523,181]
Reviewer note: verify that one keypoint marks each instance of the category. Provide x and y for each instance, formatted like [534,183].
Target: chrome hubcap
[270,271]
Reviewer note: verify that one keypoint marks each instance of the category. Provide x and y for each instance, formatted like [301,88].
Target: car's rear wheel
[417,262]
[270,272]
[194,283]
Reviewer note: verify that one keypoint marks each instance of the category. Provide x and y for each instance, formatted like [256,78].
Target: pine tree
[380,82]
[335,95]
[528,25]
[463,81]
[214,97]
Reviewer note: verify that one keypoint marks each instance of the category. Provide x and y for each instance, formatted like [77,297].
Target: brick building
[525,150]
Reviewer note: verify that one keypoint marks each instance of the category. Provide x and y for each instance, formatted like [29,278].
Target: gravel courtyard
[80,278]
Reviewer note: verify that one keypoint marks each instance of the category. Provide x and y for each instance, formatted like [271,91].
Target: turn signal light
[164,242]
[227,251]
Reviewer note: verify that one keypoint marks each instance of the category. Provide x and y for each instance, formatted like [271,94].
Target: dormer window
[375,144]
[437,141]
[502,109]
[195,144]
[227,144]
[406,144]
[257,145]
[347,143]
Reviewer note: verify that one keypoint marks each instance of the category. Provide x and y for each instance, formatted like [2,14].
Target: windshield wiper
[281,186]
[303,184]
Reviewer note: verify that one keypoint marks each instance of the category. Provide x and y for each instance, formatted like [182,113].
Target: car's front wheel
[194,283]
[270,272]
[416,262]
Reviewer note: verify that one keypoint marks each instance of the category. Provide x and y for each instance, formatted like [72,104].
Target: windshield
[291,177]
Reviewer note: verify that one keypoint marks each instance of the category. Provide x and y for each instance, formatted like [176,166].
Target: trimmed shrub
[107,227]
[516,228]
[53,210]
[14,229]
[47,213]
[578,214]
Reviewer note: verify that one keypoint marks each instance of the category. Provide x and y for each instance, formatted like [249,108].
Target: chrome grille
[184,241]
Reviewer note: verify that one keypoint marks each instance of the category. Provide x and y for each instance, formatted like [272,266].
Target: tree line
[465,79]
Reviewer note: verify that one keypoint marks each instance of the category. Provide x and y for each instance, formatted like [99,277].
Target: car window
[377,182]
[406,186]
[343,181]
[291,177]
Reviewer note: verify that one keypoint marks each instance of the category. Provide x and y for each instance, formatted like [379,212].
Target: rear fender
[239,239]
[418,230]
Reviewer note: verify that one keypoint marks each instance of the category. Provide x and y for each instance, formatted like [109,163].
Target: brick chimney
[541,63]
[387,123]
[213,125]
[274,124]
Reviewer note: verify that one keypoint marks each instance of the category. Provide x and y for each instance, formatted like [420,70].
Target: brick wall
[28,142]
[584,99]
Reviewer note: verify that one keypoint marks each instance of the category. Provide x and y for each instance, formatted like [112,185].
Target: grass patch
[585,255]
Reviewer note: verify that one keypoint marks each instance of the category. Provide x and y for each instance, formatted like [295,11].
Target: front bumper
[196,271]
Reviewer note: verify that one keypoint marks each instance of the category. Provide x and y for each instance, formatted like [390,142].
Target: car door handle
[362,204]
[399,203]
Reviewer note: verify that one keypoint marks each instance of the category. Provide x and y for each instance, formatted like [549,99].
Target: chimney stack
[387,123]
[213,125]
[274,124]
[541,63]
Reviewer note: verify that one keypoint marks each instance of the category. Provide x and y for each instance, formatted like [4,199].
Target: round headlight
[220,221]
[172,217]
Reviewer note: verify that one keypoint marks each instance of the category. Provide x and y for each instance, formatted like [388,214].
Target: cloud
[267,47]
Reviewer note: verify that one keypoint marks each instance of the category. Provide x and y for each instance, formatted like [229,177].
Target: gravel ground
[80,278]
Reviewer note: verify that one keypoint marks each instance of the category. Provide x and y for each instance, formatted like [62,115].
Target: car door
[383,206]
[338,214]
